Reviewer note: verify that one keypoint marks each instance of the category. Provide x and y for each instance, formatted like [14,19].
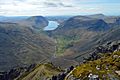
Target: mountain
[78,47]
[108,19]
[36,22]
[78,29]
[97,16]
[81,49]
[86,22]
[81,23]
[79,35]
[21,45]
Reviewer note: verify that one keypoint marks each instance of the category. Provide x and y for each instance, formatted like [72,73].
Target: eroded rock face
[103,49]
[109,47]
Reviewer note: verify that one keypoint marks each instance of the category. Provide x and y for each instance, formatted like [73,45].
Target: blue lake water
[52,25]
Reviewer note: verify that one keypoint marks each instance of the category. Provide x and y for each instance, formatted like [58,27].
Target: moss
[108,64]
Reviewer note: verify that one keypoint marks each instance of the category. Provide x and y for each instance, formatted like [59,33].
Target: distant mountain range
[12,19]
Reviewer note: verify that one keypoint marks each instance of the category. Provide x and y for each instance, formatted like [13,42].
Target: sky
[58,7]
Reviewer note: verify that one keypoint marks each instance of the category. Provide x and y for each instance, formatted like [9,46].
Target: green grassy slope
[104,67]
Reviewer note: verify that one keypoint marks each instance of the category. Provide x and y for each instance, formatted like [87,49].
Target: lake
[52,25]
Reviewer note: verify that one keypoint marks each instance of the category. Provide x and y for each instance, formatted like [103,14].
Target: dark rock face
[16,72]
[106,48]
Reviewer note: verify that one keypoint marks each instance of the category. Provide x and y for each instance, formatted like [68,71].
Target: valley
[42,48]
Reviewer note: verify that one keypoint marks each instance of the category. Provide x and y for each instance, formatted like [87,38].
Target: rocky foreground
[103,64]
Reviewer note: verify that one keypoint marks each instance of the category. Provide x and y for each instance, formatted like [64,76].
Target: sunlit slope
[105,68]
[41,72]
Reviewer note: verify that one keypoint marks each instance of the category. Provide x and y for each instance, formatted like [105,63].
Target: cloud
[25,7]
[57,7]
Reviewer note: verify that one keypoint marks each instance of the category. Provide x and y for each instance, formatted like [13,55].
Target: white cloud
[52,7]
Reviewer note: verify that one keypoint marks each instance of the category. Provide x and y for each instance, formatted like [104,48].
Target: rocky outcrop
[16,72]
[109,47]
[35,71]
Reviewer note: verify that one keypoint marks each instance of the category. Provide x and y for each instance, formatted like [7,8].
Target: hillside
[106,68]
[85,22]
[20,45]
[82,47]
[78,29]
[79,35]
[36,22]
[41,72]
[104,63]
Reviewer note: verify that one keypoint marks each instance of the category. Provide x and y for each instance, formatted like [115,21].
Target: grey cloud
[21,0]
[64,5]
[49,4]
